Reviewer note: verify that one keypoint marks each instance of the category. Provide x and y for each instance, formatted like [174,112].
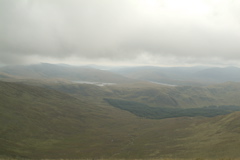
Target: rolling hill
[40,123]
[67,72]
[152,94]
[219,74]
[33,116]
[196,76]
[44,114]
[156,95]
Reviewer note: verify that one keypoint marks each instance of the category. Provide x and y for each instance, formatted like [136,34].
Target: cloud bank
[120,31]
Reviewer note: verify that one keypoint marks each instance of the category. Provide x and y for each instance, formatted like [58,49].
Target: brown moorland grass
[38,123]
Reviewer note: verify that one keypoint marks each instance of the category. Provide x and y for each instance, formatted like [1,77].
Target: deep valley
[55,118]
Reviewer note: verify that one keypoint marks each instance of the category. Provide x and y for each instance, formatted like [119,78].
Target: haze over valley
[139,79]
[44,111]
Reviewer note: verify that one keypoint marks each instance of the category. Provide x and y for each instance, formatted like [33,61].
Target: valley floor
[74,122]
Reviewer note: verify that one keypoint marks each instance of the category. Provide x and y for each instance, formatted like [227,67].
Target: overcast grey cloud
[159,32]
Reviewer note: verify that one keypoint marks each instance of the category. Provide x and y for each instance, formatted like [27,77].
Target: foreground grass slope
[32,117]
[42,123]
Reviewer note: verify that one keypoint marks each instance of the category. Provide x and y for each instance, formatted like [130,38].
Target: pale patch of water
[165,84]
[94,83]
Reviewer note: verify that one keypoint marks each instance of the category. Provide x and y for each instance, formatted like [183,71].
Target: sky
[120,32]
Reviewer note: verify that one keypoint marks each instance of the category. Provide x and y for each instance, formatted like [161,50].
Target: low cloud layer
[141,31]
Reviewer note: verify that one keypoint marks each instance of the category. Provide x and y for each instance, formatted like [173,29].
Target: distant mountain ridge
[73,73]
[196,76]
[182,75]
[219,74]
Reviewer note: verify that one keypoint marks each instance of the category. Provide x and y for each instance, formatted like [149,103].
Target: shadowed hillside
[156,95]
[143,110]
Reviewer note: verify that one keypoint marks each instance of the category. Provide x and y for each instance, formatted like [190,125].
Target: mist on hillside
[119,79]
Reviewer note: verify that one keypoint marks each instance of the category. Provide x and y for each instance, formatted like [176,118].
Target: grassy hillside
[32,117]
[180,96]
[188,137]
[143,110]
[42,123]
[151,94]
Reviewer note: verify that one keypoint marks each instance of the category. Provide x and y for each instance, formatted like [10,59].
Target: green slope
[179,96]
[189,138]
[32,117]
[42,123]
[157,95]
[151,94]
[143,110]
